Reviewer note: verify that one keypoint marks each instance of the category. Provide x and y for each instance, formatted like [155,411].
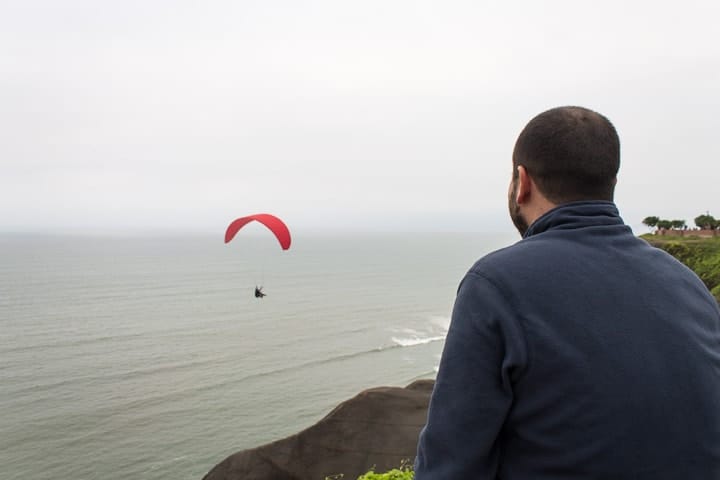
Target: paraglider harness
[258,292]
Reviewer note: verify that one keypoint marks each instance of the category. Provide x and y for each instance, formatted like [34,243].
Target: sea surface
[148,357]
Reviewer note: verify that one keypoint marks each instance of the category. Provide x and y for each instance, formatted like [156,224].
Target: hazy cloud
[365,115]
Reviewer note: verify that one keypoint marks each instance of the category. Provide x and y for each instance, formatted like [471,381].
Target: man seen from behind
[580,352]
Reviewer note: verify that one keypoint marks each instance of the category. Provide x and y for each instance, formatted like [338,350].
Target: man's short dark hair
[571,153]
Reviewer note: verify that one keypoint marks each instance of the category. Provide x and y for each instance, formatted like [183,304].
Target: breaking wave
[434,330]
[411,342]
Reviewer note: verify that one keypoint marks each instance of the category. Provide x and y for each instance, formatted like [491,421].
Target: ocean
[149,357]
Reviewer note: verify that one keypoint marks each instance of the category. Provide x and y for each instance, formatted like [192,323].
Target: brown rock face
[377,428]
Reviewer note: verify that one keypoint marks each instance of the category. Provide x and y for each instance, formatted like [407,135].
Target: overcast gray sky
[370,115]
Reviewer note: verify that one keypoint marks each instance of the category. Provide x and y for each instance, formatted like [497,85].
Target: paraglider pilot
[258,292]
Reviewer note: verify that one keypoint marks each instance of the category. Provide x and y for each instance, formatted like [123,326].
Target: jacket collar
[576,215]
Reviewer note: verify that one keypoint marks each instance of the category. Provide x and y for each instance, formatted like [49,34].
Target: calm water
[150,358]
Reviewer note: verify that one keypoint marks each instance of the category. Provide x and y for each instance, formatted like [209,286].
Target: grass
[405,472]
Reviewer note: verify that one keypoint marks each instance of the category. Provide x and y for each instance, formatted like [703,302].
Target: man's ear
[524,186]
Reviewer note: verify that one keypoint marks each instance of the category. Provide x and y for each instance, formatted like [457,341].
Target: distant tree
[651,221]
[664,224]
[706,222]
[678,224]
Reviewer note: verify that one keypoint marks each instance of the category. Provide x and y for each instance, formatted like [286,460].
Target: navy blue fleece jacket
[580,352]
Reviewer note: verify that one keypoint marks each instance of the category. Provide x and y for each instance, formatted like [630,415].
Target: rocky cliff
[377,429]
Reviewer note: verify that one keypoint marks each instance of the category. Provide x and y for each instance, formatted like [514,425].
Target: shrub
[402,473]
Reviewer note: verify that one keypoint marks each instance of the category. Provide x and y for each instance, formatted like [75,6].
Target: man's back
[581,352]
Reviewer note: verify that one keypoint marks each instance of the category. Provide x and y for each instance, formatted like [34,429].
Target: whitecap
[410,342]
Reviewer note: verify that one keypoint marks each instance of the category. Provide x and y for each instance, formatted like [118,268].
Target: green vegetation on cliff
[702,255]
[403,473]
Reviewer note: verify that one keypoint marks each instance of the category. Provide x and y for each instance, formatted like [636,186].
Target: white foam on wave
[406,331]
[411,342]
[434,330]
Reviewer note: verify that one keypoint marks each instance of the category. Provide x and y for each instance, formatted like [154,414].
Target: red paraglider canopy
[272,222]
